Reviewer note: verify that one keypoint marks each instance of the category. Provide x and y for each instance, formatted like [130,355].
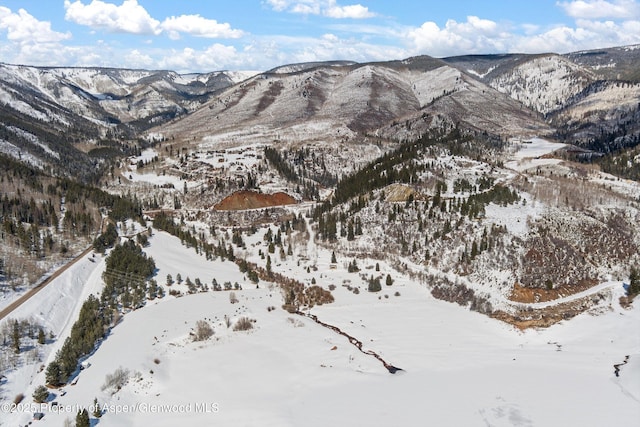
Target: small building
[38,416]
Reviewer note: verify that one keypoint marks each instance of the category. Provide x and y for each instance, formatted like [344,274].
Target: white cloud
[279,5]
[586,35]
[480,36]
[215,57]
[328,8]
[600,9]
[311,8]
[21,27]
[137,59]
[330,37]
[473,36]
[355,11]
[129,17]
[198,26]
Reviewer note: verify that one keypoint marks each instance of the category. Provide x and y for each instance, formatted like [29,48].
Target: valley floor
[459,367]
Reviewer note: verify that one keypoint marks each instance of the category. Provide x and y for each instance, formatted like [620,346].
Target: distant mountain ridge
[45,110]
[56,116]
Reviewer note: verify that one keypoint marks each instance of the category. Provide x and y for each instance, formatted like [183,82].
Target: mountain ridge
[512,95]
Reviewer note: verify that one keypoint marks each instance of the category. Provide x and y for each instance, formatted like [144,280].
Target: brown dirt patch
[547,316]
[524,294]
[244,199]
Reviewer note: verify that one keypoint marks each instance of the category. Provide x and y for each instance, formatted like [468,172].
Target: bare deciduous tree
[203,331]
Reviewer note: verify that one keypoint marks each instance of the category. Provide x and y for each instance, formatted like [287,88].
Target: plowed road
[31,292]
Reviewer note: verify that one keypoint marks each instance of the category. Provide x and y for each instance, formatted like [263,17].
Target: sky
[257,35]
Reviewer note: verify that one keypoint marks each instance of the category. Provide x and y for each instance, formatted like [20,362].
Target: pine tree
[53,374]
[350,233]
[41,337]
[82,419]
[333,258]
[634,283]
[474,250]
[40,394]
[374,284]
[389,280]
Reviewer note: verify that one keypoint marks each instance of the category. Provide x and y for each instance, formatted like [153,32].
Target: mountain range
[60,116]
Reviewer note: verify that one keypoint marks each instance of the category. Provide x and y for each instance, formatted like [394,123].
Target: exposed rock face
[244,199]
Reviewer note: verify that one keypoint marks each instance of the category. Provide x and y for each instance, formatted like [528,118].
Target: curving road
[592,290]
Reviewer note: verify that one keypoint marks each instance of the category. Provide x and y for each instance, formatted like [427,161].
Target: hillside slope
[336,102]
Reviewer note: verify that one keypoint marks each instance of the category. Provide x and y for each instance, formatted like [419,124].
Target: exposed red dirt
[531,295]
[244,199]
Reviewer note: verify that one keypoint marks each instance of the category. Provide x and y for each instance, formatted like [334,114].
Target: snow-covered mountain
[107,96]
[588,96]
[349,101]
[319,219]
[58,107]
[576,97]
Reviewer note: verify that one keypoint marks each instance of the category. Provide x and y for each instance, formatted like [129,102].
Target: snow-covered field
[530,154]
[460,368]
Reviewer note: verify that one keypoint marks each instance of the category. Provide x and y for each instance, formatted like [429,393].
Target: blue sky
[209,35]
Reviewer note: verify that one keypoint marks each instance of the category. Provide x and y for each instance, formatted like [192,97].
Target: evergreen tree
[53,374]
[350,233]
[389,280]
[634,283]
[40,394]
[333,258]
[82,419]
[358,230]
[374,284]
[41,337]
[474,250]
[97,413]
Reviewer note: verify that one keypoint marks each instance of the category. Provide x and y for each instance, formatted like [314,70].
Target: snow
[530,154]
[481,75]
[159,180]
[240,76]
[244,157]
[8,148]
[147,155]
[613,98]
[543,84]
[430,85]
[55,307]
[34,140]
[460,367]
[515,217]
[7,98]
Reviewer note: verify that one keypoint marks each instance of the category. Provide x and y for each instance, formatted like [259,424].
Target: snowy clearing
[460,367]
